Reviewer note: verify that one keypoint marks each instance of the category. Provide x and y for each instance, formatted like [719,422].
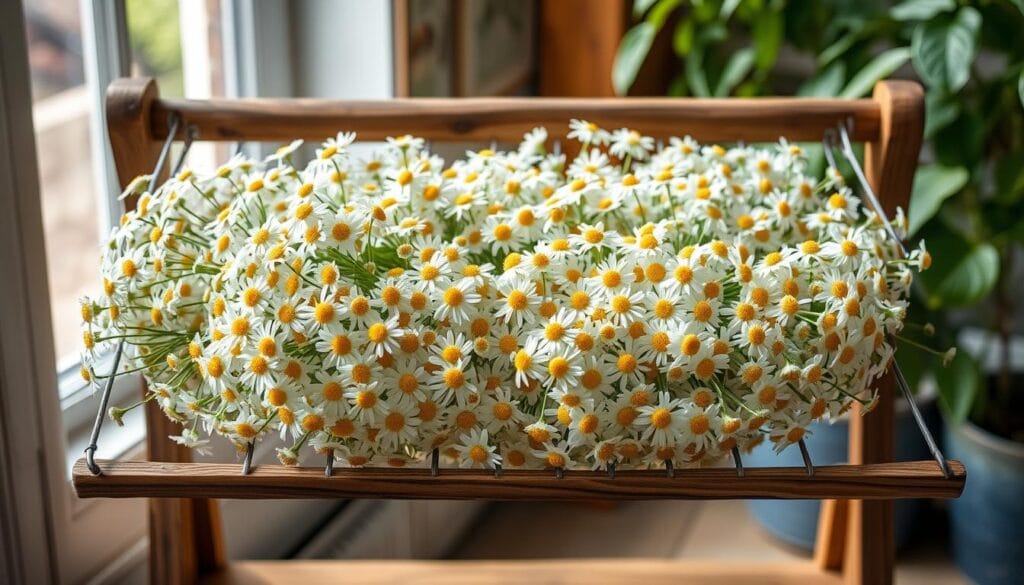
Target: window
[73,49]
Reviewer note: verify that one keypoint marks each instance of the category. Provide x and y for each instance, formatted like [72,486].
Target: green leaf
[1009,177]
[838,48]
[640,7]
[882,66]
[827,83]
[727,9]
[767,37]
[682,39]
[696,78]
[941,109]
[1020,83]
[659,14]
[961,274]
[735,70]
[944,49]
[633,49]
[921,9]
[958,386]
[961,45]
[933,184]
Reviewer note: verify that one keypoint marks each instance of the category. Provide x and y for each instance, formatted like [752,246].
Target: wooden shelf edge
[598,571]
[149,479]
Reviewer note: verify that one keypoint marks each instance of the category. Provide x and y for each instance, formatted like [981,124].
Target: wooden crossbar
[507,119]
[134,479]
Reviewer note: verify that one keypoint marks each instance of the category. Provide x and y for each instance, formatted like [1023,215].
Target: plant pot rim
[989,440]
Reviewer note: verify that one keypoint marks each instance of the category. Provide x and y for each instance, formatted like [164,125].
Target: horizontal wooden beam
[549,571]
[151,479]
[507,119]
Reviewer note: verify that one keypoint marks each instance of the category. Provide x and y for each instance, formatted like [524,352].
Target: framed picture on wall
[423,45]
[495,47]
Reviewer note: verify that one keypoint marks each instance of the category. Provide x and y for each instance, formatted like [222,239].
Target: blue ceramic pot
[988,519]
[796,521]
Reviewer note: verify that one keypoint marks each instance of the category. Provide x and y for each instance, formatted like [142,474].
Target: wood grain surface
[507,119]
[136,479]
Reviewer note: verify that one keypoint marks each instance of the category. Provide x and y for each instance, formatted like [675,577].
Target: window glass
[71,203]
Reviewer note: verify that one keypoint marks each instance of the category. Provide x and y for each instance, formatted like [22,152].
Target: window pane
[155,39]
[70,199]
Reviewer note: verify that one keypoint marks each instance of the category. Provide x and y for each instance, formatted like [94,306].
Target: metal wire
[846,149]
[174,121]
[807,458]
[738,461]
[90,451]
[933,448]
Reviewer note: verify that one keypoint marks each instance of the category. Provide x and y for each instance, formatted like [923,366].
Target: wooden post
[184,535]
[890,162]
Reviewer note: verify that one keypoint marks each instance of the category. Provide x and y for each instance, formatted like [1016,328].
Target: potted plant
[967,203]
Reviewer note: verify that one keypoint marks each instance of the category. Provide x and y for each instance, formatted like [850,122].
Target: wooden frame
[855,542]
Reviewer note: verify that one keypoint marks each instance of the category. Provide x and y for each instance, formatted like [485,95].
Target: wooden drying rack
[855,534]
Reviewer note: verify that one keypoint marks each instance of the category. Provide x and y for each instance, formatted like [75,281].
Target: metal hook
[90,451]
[807,458]
[828,147]
[738,461]
[435,462]
[247,462]
[670,468]
[174,122]
[329,468]
[611,469]
[846,148]
[191,134]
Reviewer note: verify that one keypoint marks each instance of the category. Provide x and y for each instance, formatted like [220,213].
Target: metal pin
[329,468]
[807,458]
[559,473]
[557,147]
[497,470]
[247,462]
[494,145]
[435,462]
[738,461]
[611,469]
[670,469]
